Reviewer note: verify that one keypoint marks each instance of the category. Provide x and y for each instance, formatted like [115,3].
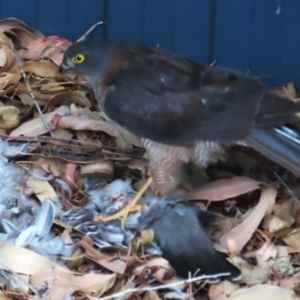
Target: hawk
[181,110]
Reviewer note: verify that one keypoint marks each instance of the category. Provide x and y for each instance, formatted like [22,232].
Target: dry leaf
[42,68]
[109,262]
[92,284]
[22,260]
[267,251]
[8,78]
[122,284]
[223,189]
[67,98]
[216,291]
[25,99]
[85,123]
[37,47]
[6,58]
[244,231]
[52,87]
[63,134]
[69,175]
[252,274]
[283,210]
[37,95]
[22,33]
[36,126]
[261,291]
[291,282]
[274,224]
[42,189]
[105,168]
[293,240]
[50,165]
[9,117]
[287,91]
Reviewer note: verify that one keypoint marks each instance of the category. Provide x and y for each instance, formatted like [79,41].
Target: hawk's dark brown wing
[173,100]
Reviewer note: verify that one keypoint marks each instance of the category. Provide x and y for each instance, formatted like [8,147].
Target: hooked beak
[65,66]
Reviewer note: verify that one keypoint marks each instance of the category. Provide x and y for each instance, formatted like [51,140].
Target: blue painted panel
[47,23]
[192,29]
[24,10]
[66,18]
[290,43]
[158,23]
[245,34]
[81,15]
[125,20]
[233,33]
[266,43]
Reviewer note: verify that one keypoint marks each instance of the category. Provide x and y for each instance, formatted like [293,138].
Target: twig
[49,138]
[28,86]
[164,286]
[285,185]
[90,30]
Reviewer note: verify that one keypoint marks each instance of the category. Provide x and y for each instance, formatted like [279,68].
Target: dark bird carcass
[180,229]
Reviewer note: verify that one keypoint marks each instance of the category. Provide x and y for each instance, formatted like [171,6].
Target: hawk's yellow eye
[78,58]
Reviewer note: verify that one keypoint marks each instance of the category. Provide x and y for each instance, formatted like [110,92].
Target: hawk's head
[88,58]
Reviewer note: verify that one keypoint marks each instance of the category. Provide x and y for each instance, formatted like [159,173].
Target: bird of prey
[181,110]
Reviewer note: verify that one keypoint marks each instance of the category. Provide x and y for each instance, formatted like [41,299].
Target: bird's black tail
[280,144]
[180,231]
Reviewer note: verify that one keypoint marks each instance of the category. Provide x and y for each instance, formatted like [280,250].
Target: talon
[132,206]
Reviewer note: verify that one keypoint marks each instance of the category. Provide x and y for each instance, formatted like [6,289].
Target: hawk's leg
[130,207]
[167,175]
[166,166]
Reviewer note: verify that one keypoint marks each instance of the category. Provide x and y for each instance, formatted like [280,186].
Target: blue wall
[248,35]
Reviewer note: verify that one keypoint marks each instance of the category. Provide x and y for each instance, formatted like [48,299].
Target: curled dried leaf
[47,47]
[42,189]
[105,168]
[6,58]
[52,87]
[16,29]
[287,91]
[42,68]
[67,98]
[283,210]
[9,117]
[69,175]
[244,231]
[38,95]
[36,126]
[223,189]
[8,79]
[50,165]
[85,123]
[293,240]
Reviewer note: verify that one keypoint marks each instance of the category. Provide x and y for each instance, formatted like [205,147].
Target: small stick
[28,86]
[89,31]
